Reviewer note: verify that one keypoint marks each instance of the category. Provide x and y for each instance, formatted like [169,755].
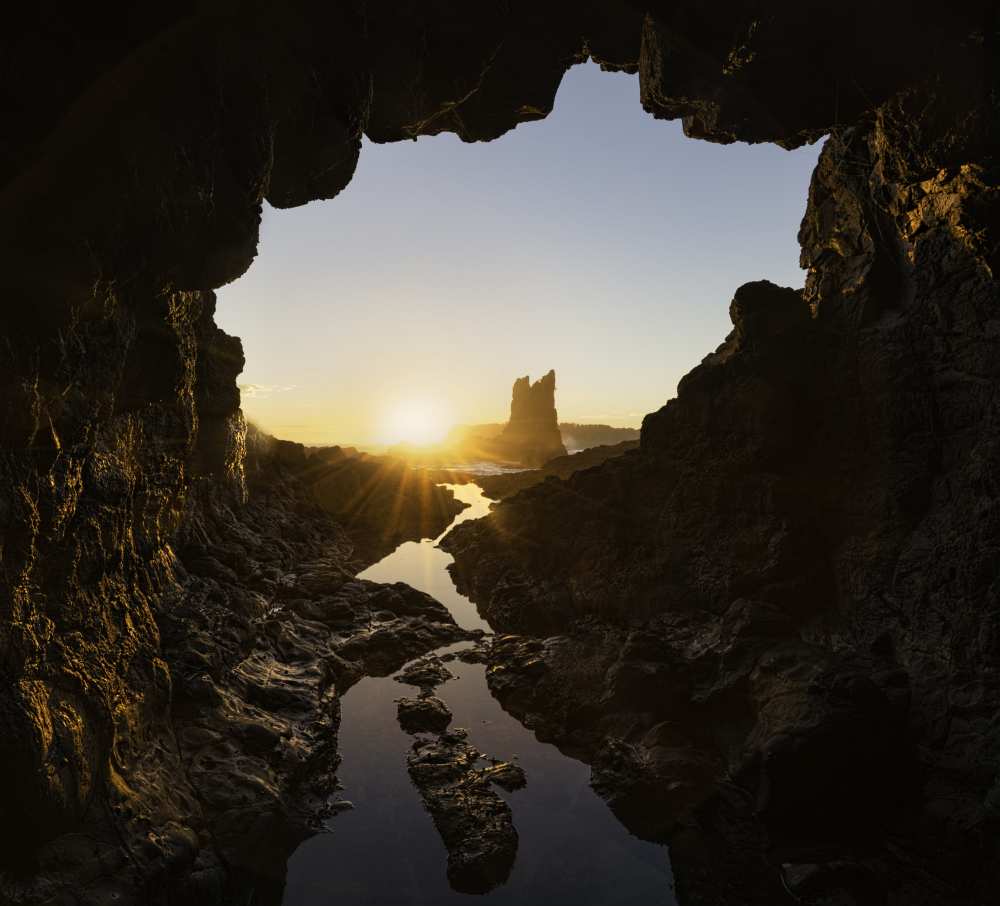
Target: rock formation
[475,823]
[531,435]
[802,557]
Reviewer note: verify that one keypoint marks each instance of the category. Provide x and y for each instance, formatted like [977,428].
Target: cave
[787,594]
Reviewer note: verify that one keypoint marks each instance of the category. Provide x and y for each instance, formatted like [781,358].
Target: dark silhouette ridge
[582,437]
[574,436]
[794,579]
[500,486]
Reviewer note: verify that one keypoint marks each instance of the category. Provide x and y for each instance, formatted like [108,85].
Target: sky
[599,242]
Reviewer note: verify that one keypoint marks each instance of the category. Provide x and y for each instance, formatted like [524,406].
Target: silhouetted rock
[382,501]
[503,485]
[574,436]
[531,435]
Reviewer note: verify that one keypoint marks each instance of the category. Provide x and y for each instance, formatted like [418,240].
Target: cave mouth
[590,243]
[155,616]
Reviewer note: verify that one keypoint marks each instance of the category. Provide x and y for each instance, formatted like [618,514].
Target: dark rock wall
[138,148]
[101,442]
[803,554]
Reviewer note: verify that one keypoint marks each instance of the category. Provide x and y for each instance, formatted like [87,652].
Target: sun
[417,422]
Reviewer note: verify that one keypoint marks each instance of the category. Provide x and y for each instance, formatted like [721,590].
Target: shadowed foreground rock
[475,824]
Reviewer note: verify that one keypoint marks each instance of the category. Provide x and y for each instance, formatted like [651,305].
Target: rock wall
[101,442]
[138,148]
[789,595]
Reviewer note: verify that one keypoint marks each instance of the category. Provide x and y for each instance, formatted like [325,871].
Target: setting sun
[418,422]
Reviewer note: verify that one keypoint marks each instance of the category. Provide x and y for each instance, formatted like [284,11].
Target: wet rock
[417,623]
[655,783]
[257,700]
[423,715]
[474,822]
[427,673]
[478,654]
[506,775]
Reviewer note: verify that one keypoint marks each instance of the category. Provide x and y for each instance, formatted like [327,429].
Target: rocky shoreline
[262,631]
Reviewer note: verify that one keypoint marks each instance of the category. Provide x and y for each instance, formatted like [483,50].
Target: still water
[386,851]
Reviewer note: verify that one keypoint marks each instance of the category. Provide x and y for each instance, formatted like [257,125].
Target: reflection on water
[424,565]
[386,852]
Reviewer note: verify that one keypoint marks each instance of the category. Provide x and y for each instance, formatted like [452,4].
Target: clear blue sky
[599,242]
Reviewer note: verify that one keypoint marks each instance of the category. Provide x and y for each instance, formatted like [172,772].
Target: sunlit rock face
[807,541]
[531,435]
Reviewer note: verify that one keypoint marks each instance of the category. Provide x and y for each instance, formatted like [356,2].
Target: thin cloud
[263,391]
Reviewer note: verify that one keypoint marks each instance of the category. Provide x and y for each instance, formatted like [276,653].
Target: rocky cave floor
[264,629]
[267,627]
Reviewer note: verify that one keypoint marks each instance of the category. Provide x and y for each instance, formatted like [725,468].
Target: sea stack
[532,435]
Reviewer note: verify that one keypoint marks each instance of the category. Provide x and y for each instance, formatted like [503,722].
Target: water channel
[386,850]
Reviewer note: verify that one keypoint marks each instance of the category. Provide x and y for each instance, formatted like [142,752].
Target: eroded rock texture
[817,506]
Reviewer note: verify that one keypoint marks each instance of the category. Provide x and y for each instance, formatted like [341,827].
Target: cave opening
[600,244]
[769,631]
